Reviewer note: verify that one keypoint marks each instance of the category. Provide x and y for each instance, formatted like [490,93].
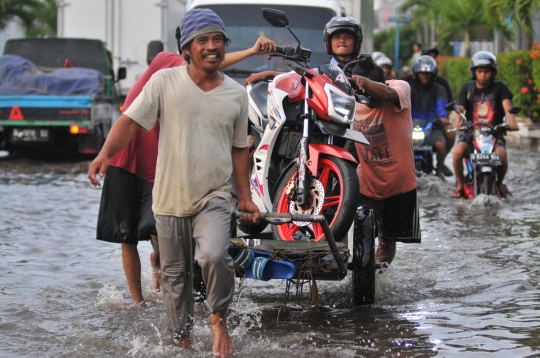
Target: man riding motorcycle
[342,38]
[428,100]
[483,99]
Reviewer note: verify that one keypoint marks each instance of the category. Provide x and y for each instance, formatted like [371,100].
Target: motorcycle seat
[259,93]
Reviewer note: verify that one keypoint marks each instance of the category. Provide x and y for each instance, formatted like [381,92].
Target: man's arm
[377,90]
[261,76]
[510,118]
[262,46]
[240,175]
[119,136]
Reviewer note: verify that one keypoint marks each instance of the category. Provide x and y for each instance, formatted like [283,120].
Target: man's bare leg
[441,155]
[386,251]
[222,345]
[461,151]
[154,262]
[132,269]
[501,171]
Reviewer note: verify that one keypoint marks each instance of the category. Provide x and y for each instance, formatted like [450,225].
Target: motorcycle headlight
[418,135]
[484,141]
[341,107]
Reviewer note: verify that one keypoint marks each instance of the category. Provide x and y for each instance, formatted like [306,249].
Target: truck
[63,98]
[126,28]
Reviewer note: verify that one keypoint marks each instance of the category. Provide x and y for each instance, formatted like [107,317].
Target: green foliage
[17,9]
[456,71]
[384,41]
[519,70]
[45,19]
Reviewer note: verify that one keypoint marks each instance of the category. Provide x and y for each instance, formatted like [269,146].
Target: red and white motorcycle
[300,123]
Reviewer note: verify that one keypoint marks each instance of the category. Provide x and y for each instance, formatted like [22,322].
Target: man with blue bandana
[202,142]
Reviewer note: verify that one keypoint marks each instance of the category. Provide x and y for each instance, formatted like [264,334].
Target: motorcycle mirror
[275,18]
[349,67]
[362,99]
[514,110]
[450,106]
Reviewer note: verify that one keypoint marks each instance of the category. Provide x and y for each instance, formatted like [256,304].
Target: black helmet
[343,24]
[426,64]
[430,49]
[484,59]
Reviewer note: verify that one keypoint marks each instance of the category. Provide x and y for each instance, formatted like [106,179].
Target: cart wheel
[364,256]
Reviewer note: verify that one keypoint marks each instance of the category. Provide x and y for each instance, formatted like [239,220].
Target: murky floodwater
[470,289]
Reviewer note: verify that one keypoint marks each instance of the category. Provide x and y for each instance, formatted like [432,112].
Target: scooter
[423,153]
[482,164]
[300,122]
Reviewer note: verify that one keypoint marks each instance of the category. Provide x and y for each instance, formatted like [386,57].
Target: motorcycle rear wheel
[341,190]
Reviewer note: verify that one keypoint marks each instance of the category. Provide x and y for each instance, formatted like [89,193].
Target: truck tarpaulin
[21,76]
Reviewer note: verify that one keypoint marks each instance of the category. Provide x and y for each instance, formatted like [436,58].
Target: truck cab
[36,114]
[244,22]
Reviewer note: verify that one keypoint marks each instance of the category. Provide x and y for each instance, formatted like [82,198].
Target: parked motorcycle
[481,166]
[300,122]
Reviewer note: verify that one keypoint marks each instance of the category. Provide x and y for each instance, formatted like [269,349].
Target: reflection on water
[470,289]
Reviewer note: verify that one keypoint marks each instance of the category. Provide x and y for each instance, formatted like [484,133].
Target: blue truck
[57,94]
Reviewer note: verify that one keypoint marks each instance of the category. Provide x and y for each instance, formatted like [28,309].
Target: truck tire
[363,260]
[100,138]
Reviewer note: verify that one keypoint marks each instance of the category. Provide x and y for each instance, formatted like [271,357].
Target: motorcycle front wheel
[488,184]
[338,200]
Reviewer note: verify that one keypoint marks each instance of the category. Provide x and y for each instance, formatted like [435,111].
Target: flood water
[471,289]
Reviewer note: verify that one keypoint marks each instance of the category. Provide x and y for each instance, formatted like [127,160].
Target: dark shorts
[468,138]
[398,216]
[436,135]
[125,211]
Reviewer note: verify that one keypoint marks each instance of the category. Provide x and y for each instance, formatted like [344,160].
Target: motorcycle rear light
[341,107]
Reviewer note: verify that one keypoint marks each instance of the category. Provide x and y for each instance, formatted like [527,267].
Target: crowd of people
[168,159]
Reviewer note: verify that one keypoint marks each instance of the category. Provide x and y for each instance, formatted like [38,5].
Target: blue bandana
[198,22]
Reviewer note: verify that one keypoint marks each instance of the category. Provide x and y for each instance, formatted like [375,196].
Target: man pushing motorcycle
[386,171]
[484,100]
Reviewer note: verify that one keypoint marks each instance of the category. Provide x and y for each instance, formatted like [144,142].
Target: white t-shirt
[197,132]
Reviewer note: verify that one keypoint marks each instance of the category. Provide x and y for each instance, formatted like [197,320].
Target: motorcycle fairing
[315,151]
[340,131]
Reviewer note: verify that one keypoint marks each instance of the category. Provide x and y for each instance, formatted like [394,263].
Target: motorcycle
[423,153]
[300,122]
[481,166]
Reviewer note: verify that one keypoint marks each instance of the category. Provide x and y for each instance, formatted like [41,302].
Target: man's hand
[261,76]
[444,121]
[263,45]
[250,207]
[98,166]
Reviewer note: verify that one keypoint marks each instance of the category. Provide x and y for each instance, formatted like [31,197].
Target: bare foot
[222,345]
[440,174]
[156,273]
[386,251]
[184,342]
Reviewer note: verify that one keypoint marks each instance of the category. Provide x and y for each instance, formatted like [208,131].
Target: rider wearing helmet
[483,99]
[342,38]
[386,64]
[428,101]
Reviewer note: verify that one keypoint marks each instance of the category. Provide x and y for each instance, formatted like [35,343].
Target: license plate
[421,148]
[485,158]
[30,135]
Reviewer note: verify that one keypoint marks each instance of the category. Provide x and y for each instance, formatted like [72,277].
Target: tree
[519,11]
[455,18]
[17,9]
[45,19]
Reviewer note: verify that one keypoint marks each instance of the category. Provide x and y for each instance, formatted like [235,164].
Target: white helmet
[376,55]
[384,61]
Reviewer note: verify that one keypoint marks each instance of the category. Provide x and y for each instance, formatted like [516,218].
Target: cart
[324,260]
